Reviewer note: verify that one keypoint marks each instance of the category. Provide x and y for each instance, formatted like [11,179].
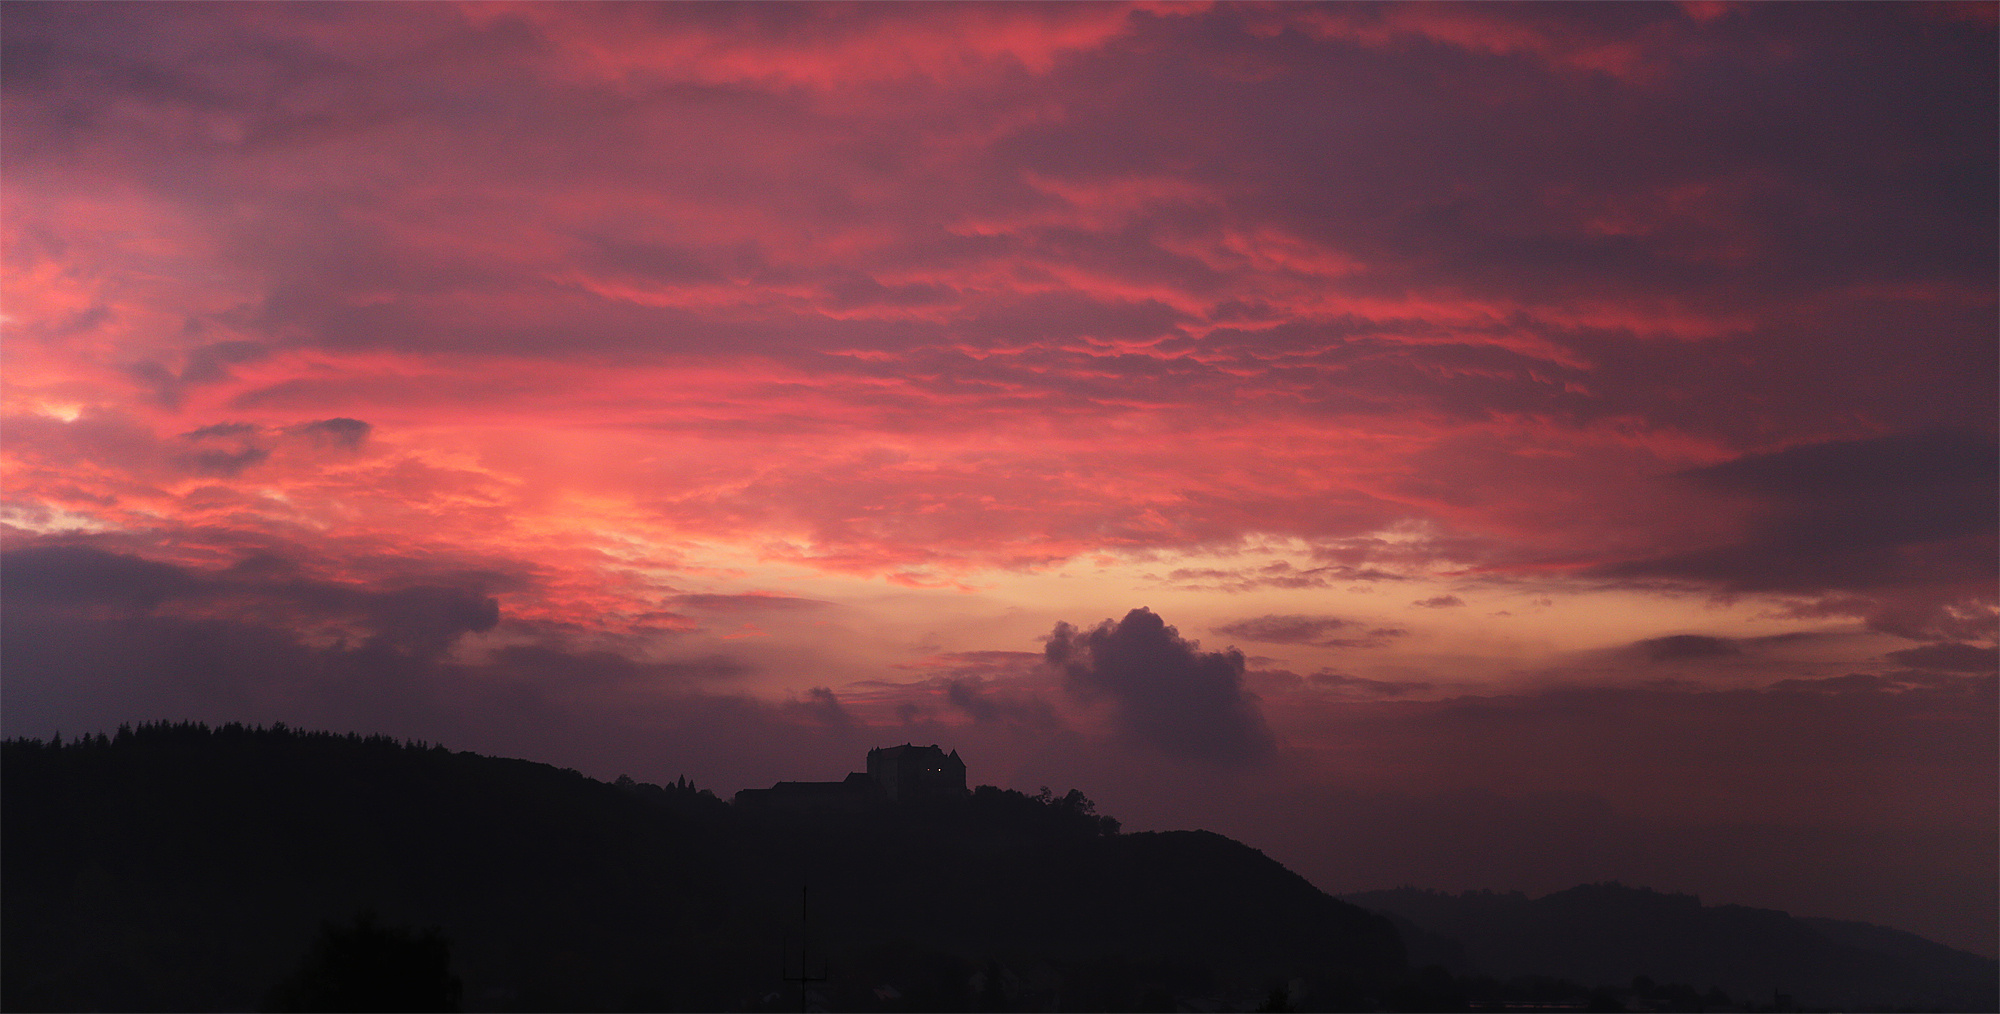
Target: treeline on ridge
[178,866]
[175,866]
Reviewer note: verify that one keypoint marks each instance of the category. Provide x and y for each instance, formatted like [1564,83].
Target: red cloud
[611,314]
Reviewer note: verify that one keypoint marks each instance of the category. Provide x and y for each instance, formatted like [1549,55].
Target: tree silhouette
[371,967]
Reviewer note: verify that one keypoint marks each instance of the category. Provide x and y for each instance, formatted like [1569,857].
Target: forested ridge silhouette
[174,866]
[1611,933]
[179,867]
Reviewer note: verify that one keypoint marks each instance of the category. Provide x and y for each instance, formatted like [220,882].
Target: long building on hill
[895,775]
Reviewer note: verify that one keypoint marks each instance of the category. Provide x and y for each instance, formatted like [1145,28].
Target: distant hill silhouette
[186,868]
[1608,934]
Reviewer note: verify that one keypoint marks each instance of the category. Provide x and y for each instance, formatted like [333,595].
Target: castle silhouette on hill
[896,775]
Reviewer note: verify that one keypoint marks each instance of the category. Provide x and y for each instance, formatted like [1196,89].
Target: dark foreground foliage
[367,966]
[176,867]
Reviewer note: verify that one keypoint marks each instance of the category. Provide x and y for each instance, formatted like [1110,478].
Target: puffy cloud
[1169,694]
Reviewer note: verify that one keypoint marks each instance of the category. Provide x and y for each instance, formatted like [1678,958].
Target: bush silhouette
[370,967]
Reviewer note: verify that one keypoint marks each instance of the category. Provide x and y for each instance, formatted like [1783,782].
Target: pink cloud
[660,325]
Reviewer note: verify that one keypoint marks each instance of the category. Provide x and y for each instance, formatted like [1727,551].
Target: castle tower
[907,773]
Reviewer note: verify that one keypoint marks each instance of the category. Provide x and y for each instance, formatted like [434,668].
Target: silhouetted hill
[174,867]
[1608,934]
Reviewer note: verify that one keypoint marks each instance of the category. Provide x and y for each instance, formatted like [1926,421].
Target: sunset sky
[1466,446]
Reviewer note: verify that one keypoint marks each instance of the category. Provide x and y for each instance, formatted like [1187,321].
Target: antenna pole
[805,937]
